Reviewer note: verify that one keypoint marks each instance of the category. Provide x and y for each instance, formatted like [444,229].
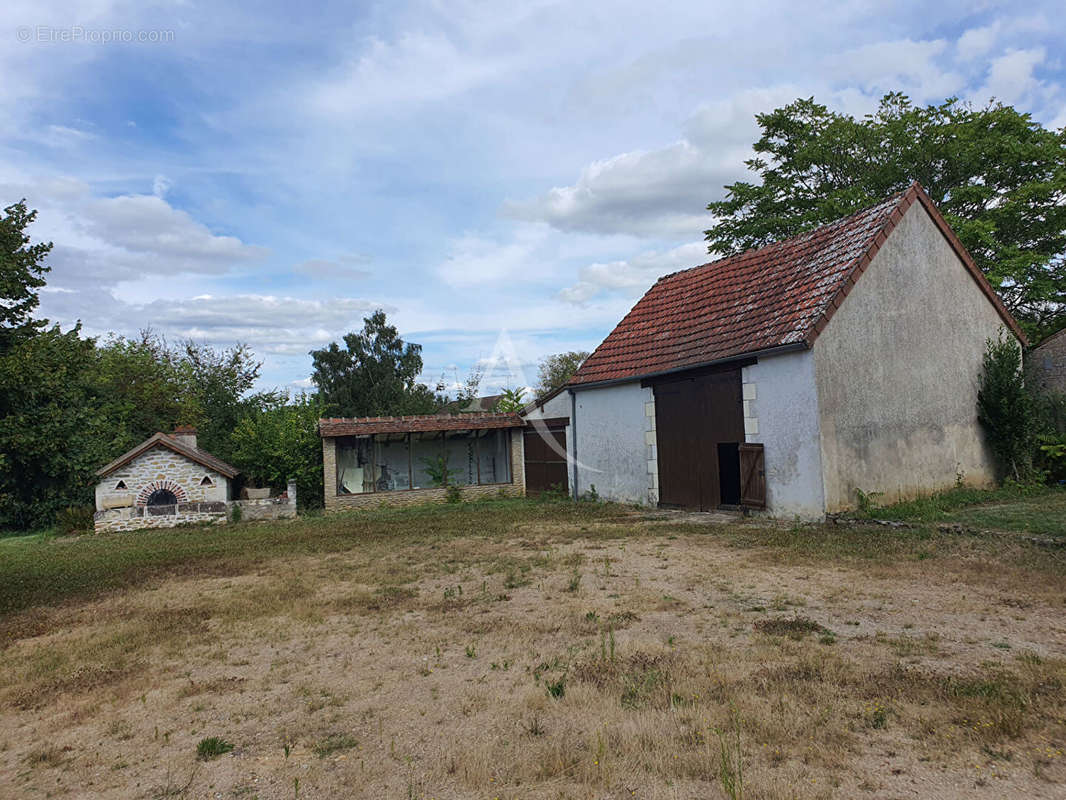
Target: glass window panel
[460,457]
[355,467]
[393,461]
[494,456]
[427,460]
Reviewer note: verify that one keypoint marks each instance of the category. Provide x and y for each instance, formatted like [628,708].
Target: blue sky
[503,179]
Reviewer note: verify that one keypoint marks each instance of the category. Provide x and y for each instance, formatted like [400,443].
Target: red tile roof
[777,296]
[359,426]
[201,457]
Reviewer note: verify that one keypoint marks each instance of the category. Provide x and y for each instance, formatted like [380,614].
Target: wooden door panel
[692,417]
[545,466]
[752,476]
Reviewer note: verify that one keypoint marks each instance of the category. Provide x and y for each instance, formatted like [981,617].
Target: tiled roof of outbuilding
[779,295]
[360,426]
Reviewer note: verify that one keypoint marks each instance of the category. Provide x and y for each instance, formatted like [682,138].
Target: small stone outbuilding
[164,481]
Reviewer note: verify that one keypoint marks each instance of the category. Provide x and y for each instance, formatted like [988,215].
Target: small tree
[279,444]
[556,370]
[1006,409]
[511,401]
[375,374]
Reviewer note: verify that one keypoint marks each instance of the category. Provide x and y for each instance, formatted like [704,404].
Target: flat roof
[362,426]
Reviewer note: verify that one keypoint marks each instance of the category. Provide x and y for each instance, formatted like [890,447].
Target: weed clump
[212,747]
[793,627]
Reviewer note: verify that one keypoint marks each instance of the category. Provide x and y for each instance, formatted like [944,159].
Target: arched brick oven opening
[152,494]
[162,497]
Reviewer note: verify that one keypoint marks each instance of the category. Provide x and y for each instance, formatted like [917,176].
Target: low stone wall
[132,518]
[271,508]
[414,497]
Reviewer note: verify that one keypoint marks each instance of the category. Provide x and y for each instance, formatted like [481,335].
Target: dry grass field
[512,649]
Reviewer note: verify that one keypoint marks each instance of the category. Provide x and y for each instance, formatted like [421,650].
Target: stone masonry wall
[335,502]
[1046,365]
[133,518]
[161,468]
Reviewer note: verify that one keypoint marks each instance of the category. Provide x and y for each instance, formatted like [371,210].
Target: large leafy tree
[22,270]
[52,432]
[374,374]
[218,392]
[142,389]
[556,370]
[998,177]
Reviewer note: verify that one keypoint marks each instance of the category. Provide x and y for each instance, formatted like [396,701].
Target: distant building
[1046,364]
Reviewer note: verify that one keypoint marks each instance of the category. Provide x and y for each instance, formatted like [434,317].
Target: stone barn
[794,376]
[164,481]
[1047,364]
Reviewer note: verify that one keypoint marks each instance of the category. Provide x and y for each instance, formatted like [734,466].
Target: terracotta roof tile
[782,294]
[359,426]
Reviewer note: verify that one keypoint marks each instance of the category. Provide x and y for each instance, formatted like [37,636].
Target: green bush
[1051,457]
[75,519]
[1007,411]
[280,443]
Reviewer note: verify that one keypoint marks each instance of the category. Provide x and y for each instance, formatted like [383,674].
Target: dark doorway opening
[729,472]
[162,497]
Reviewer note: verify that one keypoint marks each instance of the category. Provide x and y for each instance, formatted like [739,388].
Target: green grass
[1039,510]
[212,747]
[36,570]
[1043,515]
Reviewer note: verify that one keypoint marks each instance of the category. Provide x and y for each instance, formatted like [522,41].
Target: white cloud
[65,137]
[662,193]
[657,193]
[977,42]
[481,261]
[1011,79]
[904,64]
[278,325]
[634,275]
[416,68]
[161,185]
[103,241]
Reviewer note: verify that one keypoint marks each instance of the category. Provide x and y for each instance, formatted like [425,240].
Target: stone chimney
[185,435]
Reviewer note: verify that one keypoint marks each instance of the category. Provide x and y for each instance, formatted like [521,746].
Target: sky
[503,179]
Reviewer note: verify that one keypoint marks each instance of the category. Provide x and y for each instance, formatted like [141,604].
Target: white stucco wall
[612,445]
[897,370]
[558,406]
[781,413]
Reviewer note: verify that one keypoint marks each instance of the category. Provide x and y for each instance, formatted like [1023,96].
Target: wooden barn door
[693,416]
[545,464]
[752,476]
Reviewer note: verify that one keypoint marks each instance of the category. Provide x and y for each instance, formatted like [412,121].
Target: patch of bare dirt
[569,663]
